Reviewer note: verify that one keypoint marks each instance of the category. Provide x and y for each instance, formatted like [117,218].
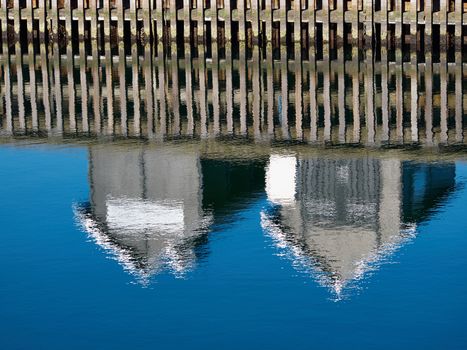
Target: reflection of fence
[269,20]
[321,101]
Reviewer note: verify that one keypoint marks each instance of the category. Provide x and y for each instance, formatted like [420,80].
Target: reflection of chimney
[334,215]
[146,206]
[280,179]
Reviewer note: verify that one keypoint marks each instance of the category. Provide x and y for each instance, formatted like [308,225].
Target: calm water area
[225,203]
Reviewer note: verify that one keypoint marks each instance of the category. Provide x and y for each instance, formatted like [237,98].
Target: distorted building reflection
[338,218]
[146,207]
[152,209]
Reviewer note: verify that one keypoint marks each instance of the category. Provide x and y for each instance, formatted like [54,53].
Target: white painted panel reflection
[140,216]
[280,179]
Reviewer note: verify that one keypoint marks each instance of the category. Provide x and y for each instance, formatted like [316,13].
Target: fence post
[368,8]
[283,22]
[147,21]
[160,26]
[173,20]
[413,24]
[241,20]
[54,19]
[398,18]
[443,24]
[81,19]
[134,20]
[94,19]
[121,19]
[459,13]
[106,20]
[4,19]
[297,29]
[340,23]
[30,18]
[228,21]
[187,20]
[200,24]
[312,25]
[255,22]
[136,91]
[17,17]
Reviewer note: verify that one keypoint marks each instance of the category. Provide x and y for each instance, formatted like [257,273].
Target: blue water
[61,290]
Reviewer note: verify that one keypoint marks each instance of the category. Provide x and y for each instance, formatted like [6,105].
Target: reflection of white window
[135,215]
[280,179]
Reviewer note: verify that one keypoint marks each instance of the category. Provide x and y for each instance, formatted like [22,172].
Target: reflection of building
[146,206]
[150,209]
[339,216]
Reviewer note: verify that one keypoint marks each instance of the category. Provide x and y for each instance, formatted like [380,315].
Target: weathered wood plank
[228,21]
[30,17]
[255,22]
[106,20]
[136,91]
[133,20]
[459,99]
[83,82]
[4,18]
[214,25]
[200,21]
[444,112]
[173,20]
[428,24]
[94,19]
[33,88]
[57,89]
[283,22]
[96,89]
[17,17]
[69,20]
[428,110]
[297,31]
[147,20]
[81,19]
[159,16]
[459,13]
[241,20]
[20,89]
[120,19]
[54,19]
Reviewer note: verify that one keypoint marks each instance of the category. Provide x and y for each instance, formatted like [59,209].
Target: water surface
[171,246]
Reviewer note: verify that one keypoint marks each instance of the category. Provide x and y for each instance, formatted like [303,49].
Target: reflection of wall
[340,214]
[159,175]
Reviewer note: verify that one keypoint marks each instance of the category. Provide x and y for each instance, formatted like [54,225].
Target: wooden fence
[305,21]
[326,101]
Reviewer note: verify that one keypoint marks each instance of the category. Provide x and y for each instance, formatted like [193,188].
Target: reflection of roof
[338,217]
[145,208]
[334,258]
[143,247]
